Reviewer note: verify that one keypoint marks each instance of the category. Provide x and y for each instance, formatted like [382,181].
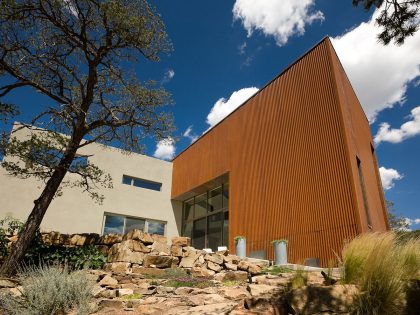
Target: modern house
[296,161]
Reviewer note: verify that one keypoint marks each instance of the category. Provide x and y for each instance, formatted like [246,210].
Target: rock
[107,294]
[204,299]
[7,283]
[263,289]
[148,271]
[188,261]
[97,290]
[260,306]
[161,248]
[201,272]
[234,293]
[103,249]
[254,269]
[110,239]
[164,290]
[213,266]
[159,238]
[175,262]
[158,261]
[232,259]
[271,280]
[146,291]
[181,241]
[125,291]
[322,299]
[231,276]
[118,267]
[215,258]
[230,266]
[149,310]
[315,278]
[107,281]
[176,250]
[218,308]
[183,290]
[243,265]
[77,240]
[153,300]
[16,291]
[107,303]
[138,235]
[122,252]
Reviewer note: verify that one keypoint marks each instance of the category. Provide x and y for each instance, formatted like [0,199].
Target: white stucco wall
[76,212]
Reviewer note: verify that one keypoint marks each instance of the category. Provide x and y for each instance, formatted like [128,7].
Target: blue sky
[225,50]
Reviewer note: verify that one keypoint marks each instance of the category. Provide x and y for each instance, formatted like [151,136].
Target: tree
[399,19]
[77,54]
[396,222]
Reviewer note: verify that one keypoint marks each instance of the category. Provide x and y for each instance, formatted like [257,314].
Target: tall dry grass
[382,267]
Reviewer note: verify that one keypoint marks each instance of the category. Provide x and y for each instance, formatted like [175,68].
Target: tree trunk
[34,220]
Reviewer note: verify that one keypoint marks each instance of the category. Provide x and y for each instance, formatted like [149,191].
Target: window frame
[132,179]
[146,222]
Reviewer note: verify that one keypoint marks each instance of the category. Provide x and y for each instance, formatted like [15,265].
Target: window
[362,186]
[142,183]
[119,224]
[206,218]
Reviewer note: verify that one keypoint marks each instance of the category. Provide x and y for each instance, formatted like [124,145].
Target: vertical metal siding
[289,159]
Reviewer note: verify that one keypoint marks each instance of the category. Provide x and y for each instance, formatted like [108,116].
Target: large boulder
[108,281]
[118,267]
[322,299]
[110,239]
[213,266]
[158,261]
[161,248]
[176,250]
[188,261]
[231,276]
[122,252]
[199,272]
[181,241]
[138,235]
[215,258]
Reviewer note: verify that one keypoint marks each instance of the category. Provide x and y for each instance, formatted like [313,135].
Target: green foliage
[276,270]
[200,283]
[399,19]
[50,290]
[231,283]
[239,237]
[79,257]
[382,266]
[396,222]
[134,296]
[299,279]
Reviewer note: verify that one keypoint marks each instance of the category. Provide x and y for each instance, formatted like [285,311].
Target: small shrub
[299,279]
[50,290]
[134,296]
[200,283]
[382,266]
[275,270]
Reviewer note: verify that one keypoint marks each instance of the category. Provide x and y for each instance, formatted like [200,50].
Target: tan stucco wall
[76,212]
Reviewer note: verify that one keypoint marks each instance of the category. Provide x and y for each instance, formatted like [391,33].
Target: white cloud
[168,76]
[165,149]
[379,74]
[410,223]
[224,107]
[280,19]
[241,48]
[407,130]
[388,176]
[188,133]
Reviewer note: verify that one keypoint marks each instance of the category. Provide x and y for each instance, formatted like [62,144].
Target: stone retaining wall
[143,253]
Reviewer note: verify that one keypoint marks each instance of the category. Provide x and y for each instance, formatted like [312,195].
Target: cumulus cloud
[224,107]
[168,76]
[407,130]
[280,19]
[165,149]
[379,74]
[388,176]
[188,133]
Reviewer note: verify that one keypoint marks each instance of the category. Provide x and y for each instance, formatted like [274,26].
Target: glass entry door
[205,218]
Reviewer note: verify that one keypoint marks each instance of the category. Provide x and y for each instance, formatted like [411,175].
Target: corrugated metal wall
[290,161]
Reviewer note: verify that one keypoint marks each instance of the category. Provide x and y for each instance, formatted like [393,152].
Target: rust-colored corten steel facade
[299,160]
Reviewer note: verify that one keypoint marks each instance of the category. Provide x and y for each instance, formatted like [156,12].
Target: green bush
[79,257]
[50,290]
[189,282]
[381,266]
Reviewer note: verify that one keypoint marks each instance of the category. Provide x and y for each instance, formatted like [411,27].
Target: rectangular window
[206,218]
[142,183]
[362,186]
[119,224]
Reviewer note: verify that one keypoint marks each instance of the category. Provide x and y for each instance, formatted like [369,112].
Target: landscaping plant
[50,290]
[382,267]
